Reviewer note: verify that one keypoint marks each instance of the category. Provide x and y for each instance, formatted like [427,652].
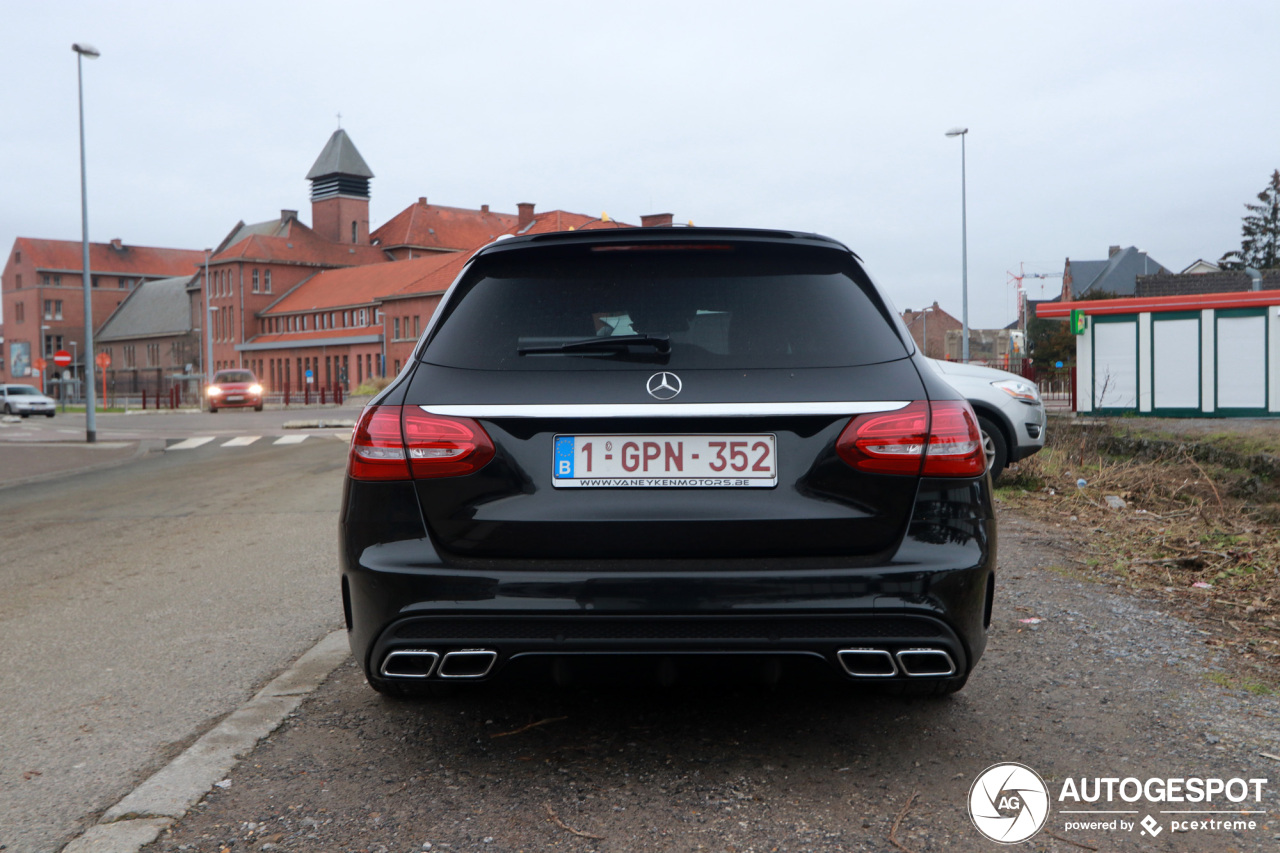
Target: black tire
[258,408]
[994,446]
[213,410]
[48,414]
[7,410]
[24,414]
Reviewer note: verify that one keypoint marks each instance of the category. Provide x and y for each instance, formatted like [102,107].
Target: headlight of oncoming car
[1018,389]
[255,389]
[214,390]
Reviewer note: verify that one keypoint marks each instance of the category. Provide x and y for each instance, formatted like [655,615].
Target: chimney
[288,215]
[655,220]
[524,216]
[484,208]
[117,244]
[422,200]
[1113,251]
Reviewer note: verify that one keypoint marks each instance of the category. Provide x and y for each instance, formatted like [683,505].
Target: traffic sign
[102,360]
[39,363]
[62,358]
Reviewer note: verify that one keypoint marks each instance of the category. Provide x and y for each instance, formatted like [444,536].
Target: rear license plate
[664,461]
[235,398]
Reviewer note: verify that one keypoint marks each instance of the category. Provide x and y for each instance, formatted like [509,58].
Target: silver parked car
[25,400]
[1010,411]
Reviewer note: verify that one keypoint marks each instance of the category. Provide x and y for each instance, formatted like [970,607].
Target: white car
[1010,412]
[25,400]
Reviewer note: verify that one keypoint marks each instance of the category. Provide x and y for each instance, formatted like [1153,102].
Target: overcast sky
[1091,124]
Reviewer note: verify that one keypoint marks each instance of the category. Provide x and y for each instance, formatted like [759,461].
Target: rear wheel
[258,408]
[994,446]
[212,409]
[7,410]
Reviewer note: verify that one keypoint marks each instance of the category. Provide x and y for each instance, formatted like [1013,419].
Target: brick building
[43,292]
[933,322]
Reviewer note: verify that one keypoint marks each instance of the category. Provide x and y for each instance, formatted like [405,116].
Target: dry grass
[1196,527]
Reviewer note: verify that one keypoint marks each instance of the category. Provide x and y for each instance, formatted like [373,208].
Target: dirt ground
[1105,684]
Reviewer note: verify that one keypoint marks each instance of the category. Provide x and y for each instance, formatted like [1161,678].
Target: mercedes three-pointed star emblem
[663,386]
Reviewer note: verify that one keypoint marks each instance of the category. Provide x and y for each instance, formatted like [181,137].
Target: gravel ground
[1105,685]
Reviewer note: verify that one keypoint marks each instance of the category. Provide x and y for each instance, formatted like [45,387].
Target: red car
[234,388]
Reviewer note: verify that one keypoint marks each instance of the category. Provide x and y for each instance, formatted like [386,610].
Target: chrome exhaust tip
[467,663]
[867,663]
[926,662]
[409,663]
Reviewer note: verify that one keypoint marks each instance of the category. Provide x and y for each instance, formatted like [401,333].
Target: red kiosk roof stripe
[1156,304]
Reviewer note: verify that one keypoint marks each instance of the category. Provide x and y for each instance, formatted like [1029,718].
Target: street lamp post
[75,359]
[90,427]
[381,318]
[962,132]
[44,353]
[208,324]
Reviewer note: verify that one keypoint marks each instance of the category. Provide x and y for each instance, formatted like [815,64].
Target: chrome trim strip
[662,410]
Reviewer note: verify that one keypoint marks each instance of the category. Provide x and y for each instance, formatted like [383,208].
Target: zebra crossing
[247,440]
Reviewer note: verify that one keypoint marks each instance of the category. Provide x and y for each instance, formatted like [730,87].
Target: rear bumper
[932,592]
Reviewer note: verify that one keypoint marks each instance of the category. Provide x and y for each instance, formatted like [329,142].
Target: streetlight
[90,427]
[208,326]
[75,384]
[962,132]
[381,318]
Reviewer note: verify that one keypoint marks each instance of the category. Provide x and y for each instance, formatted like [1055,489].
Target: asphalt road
[145,601]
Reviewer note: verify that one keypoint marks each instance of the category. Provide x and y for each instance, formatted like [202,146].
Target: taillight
[404,442]
[444,447]
[377,448]
[939,439]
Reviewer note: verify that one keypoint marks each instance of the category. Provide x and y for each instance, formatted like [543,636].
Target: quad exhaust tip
[468,663]
[867,663]
[926,662]
[409,663]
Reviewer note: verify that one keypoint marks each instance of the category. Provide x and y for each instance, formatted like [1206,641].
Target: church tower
[340,192]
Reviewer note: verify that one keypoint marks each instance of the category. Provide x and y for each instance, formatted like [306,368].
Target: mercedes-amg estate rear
[668,444]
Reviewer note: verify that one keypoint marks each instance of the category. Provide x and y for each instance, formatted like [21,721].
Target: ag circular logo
[1008,803]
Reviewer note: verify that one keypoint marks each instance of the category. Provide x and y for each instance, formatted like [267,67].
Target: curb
[160,801]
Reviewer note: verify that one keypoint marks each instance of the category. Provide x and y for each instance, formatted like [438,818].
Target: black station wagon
[667,446]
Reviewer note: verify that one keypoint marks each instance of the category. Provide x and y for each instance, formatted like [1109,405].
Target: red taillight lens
[377,448]
[938,439]
[955,442]
[404,442]
[444,447]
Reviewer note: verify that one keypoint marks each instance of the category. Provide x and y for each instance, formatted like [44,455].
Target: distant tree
[1051,341]
[1260,240]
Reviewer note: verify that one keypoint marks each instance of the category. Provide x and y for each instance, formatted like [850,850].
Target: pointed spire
[340,157]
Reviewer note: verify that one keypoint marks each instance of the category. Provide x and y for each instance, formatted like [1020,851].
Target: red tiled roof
[300,245]
[364,285]
[106,260]
[563,220]
[432,226]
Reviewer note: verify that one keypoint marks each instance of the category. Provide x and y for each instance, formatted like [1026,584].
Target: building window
[48,309]
[415,326]
[266,281]
[346,319]
[255,281]
[17,257]
[57,309]
[397,371]
[95,280]
[153,355]
[353,232]
[122,283]
[45,280]
[396,335]
[231,322]
[129,357]
[19,312]
[361,317]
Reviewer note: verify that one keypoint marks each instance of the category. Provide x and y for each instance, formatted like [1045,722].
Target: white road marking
[241,441]
[291,439]
[191,443]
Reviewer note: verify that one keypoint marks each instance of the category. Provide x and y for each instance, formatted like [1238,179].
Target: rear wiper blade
[660,343]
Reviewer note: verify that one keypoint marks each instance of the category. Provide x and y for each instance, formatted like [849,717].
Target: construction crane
[1016,280]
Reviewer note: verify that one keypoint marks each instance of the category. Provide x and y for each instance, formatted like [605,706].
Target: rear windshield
[739,307]
[234,376]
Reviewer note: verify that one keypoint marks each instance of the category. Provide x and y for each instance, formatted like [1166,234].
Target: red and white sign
[62,358]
